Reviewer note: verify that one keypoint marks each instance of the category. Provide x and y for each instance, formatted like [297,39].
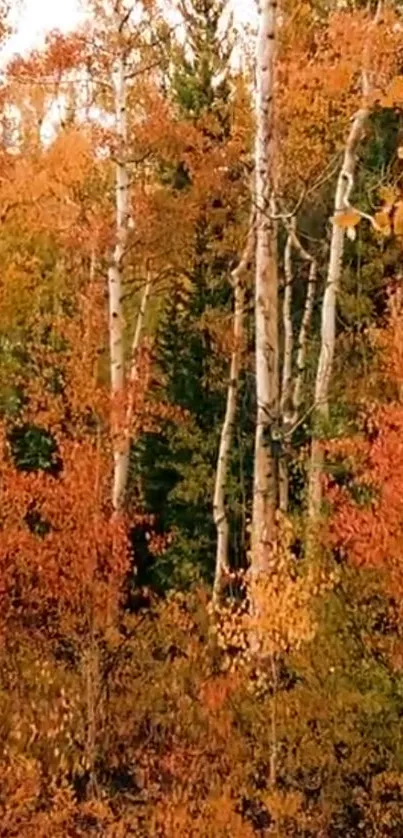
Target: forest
[201,423]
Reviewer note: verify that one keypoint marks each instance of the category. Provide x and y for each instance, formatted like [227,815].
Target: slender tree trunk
[328,324]
[226,439]
[344,188]
[265,491]
[115,288]
[302,347]
[133,374]
[122,385]
[140,321]
[293,381]
[286,382]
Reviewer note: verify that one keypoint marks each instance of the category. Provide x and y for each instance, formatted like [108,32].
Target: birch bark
[115,285]
[302,347]
[124,461]
[265,491]
[219,508]
[286,382]
[293,377]
[344,187]
[122,379]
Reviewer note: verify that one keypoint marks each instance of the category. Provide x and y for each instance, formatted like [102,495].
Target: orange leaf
[398,219]
[394,94]
[388,194]
[347,218]
[382,221]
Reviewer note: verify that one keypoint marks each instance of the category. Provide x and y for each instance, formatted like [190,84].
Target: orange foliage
[319,85]
[347,218]
[152,723]
[367,518]
[57,532]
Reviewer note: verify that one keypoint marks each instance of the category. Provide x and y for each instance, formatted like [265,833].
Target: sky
[33,18]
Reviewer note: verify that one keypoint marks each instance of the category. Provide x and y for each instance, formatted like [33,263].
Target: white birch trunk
[115,288]
[293,381]
[303,339]
[286,383]
[140,323]
[219,508]
[124,462]
[328,324]
[265,490]
[344,188]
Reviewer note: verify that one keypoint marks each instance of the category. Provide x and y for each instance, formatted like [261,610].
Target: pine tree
[200,79]
[179,479]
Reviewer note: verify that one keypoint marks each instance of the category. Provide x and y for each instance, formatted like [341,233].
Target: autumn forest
[201,423]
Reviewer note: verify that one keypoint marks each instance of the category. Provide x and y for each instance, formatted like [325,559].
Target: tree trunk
[344,188]
[115,288]
[265,491]
[219,508]
[122,382]
[126,433]
[286,382]
[328,325]
[302,345]
[293,381]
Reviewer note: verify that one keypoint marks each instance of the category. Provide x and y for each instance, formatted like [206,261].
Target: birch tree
[123,47]
[265,491]
[294,353]
[115,278]
[342,205]
[226,439]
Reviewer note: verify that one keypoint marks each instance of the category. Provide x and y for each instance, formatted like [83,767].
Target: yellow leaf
[394,94]
[347,218]
[398,219]
[382,221]
[400,152]
[388,194]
